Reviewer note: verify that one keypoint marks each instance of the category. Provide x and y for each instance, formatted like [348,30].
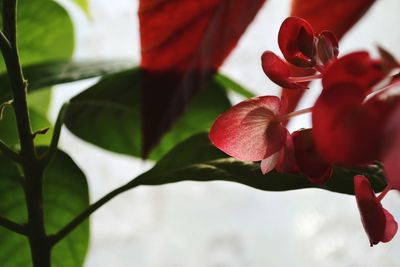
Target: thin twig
[56,135]
[86,213]
[9,152]
[12,226]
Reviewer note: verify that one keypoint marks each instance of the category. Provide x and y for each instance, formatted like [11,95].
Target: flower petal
[287,161]
[269,163]
[391,149]
[327,47]
[308,159]
[296,41]
[378,223]
[249,130]
[357,67]
[390,227]
[278,71]
[346,131]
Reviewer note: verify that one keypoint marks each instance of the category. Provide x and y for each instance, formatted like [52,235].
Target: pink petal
[250,130]
[278,71]
[269,163]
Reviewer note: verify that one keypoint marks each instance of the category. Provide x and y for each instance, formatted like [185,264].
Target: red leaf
[296,41]
[183,43]
[250,130]
[278,71]
[337,16]
[378,223]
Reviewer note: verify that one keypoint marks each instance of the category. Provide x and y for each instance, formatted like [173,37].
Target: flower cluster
[356,119]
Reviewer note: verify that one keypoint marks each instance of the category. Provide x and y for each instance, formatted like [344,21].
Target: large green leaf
[108,115]
[65,196]
[51,73]
[45,32]
[196,159]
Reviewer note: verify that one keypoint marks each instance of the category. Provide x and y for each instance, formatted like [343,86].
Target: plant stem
[31,167]
[383,193]
[286,117]
[9,152]
[12,226]
[92,208]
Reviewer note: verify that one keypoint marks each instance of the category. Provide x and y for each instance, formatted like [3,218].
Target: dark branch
[12,226]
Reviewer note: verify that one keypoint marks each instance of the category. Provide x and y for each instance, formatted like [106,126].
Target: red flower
[251,130]
[301,48]
[308,159]
[346,129]
[378,223]
[347,122]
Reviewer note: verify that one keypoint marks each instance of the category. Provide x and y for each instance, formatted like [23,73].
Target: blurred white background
[220,224]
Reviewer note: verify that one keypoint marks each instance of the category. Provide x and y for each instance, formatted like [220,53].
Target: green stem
[54,239]
[32,168]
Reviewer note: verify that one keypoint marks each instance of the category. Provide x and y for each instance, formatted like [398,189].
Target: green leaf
[209,164]
[65,195]
[230,84]
[45,32]
[108,115]
[8,127]
[46,74]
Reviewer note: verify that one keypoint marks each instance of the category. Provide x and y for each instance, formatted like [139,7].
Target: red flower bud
[296,41]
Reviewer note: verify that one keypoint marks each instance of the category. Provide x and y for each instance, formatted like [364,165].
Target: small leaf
[108,115]
[209,164]
[232,85]
[84,5]
[65,195]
